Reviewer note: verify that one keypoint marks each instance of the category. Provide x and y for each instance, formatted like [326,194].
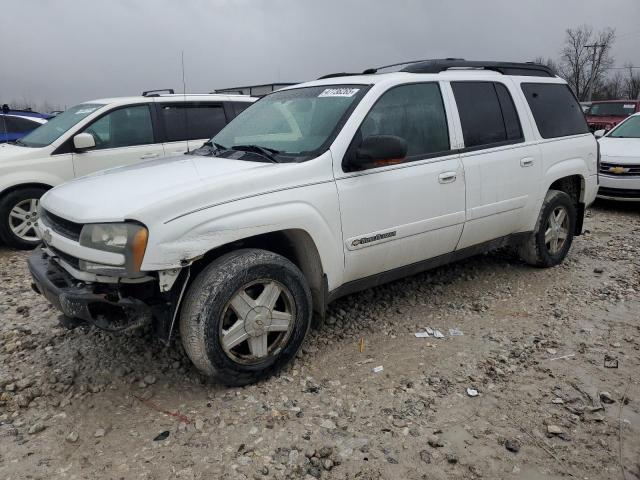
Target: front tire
[549,244]
[18,214]
[245,316]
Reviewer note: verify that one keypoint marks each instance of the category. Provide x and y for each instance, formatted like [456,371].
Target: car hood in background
[621,149]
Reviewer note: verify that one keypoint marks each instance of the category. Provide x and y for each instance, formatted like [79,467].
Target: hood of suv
[164,186]
[604,121]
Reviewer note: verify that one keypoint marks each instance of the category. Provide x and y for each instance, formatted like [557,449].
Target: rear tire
[18,215]
[245,316]
[549,244]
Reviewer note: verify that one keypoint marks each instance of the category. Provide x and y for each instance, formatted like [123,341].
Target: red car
[604,115]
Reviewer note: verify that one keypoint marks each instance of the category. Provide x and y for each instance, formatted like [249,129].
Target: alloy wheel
[557,230]
[257,321]
[22,220]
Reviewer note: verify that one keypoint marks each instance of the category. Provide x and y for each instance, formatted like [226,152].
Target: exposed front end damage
[114,307]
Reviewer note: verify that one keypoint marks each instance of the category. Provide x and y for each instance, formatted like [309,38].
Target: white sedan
[620,161]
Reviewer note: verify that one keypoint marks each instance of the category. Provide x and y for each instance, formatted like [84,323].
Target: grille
[634,170]
[61,226]
[597,126]
[619,192]
[71,260]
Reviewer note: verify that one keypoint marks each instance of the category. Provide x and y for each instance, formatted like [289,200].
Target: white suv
[315,192]
[101,134]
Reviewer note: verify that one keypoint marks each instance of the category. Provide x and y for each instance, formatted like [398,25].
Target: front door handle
[447,177]
[147,156]
[526,162]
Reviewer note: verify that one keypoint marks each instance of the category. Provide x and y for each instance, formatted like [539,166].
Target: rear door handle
[526,162]
[447,177]
[146,156]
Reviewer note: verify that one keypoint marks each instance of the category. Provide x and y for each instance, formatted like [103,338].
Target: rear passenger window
[555,110]
[192,122]
[509,113]
[413,112]
[487,114]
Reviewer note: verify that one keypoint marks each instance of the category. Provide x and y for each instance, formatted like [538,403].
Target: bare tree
[632,84]
[584,58]
[612,88]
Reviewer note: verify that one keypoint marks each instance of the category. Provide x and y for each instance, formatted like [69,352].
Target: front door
[123,136]
[410,210]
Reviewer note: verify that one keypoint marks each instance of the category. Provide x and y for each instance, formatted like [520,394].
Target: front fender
[177,242]
[12,179]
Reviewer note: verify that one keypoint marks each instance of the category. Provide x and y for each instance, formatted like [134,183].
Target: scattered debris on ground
[552,355]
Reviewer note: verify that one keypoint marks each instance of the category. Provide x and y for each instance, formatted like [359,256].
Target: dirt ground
[553,354]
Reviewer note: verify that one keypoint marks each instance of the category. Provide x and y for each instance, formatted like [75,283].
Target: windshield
[297,122]
[612,109]
[58,125]
[627,129]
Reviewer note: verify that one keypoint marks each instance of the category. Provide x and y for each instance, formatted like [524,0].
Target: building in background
[254,90]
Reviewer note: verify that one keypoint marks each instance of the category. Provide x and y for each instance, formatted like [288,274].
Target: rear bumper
[102,305]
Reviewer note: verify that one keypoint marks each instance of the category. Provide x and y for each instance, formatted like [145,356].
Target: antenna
[184,97]
[5,110]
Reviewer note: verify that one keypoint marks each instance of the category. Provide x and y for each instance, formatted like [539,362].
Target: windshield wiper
[212,148]
[268,153]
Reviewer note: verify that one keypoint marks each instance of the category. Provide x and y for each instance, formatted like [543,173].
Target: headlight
[128,239]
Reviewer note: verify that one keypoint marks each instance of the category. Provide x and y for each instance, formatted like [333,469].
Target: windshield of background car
[298,123]
[627,129]
[612,109]
[58,125]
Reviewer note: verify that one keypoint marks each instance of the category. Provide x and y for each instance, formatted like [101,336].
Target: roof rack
[156,93]
[340,74]
[505,68]
[443,64]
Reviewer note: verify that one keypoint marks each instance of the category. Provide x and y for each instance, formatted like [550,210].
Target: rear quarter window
[556,111]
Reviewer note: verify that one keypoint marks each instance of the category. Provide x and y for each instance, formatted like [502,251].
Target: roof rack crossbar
[155,93]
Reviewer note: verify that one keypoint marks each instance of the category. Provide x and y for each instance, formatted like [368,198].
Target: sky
[68,51]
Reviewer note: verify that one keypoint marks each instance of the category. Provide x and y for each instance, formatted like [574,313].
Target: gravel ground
[554,356]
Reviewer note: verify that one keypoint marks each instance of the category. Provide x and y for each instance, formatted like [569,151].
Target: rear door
[123,136]
[187,125]
[502,165]
[410,209]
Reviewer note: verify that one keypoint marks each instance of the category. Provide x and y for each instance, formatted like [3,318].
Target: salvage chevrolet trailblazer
[314,192]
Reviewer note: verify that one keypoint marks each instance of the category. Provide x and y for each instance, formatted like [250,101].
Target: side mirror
[83,141]
[379,150]
[599,133]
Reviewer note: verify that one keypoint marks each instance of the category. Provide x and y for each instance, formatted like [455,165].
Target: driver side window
[124,127]
[413,112]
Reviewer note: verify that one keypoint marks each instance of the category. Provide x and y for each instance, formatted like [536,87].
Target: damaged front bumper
[113,307]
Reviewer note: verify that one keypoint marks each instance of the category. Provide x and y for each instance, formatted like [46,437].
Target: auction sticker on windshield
[339,92]
[84,111]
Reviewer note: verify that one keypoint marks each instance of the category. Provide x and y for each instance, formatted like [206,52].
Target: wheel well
[574,187]
[20,186]
[295,245]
